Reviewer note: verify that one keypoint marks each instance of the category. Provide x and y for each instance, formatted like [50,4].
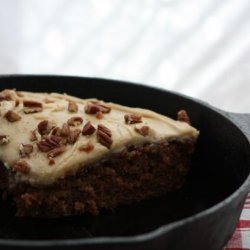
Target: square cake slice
[61,155]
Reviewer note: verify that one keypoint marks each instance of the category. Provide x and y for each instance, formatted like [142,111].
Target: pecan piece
[44,127]
[17,103]
[72,107]
[182,116]
[132,118]
[65,130]
[144,130]
[104,136]
[54,140]
[104,130]
[32,107]
[56,131]
[94,107]
[73,136]
[86,148]
[21,166]
[99,115]
[11,116]
[4,139]
[56,151]
[49,143]
[75,121]
[44,146]
[33,135]
[88,129]
[51,161]
[25,150]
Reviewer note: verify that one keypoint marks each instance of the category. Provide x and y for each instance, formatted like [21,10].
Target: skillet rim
[156,233]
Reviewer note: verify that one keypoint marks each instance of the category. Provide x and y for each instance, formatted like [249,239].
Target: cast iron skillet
[202,215]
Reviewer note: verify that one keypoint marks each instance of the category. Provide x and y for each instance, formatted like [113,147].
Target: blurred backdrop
[197,47]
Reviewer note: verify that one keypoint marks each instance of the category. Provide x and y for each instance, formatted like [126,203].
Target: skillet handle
[242,120]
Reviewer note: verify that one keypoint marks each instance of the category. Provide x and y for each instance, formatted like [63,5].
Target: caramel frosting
[44,137]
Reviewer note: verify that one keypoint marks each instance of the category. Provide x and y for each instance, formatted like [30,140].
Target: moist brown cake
[61,155]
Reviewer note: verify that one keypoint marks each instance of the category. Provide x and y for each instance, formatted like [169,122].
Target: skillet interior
[219,167]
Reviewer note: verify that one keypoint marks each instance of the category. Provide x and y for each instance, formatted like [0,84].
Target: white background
[197,47]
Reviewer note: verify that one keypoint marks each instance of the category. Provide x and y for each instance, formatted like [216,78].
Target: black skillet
[202,215]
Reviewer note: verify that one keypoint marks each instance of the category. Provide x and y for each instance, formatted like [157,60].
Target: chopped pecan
[99,115]
[65,130]
[54,140]
[25,150]
[75,121]
[182,116]
[17,103]
[33,135]
[88,129]
[49,143]
[94,107]
[44,146]
[32,107]
[56,131]
[44,127]
[144,130]
[21,166]
[51,161]
[11,116]
[86,148]
[132,118]
[4,139]
[56,151]
[104,136]
[104,130]
[73,136]
[72,107]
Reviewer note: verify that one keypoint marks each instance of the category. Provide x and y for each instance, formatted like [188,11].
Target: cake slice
[61,155]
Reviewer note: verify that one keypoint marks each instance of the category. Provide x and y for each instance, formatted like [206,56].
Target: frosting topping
[44,136]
